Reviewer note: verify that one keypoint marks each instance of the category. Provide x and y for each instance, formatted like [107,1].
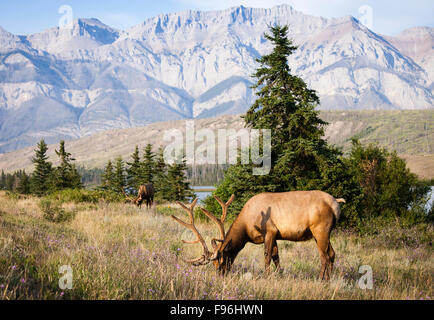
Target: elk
[145,193]
[266,218]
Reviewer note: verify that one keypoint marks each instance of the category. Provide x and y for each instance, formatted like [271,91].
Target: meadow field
[118,251]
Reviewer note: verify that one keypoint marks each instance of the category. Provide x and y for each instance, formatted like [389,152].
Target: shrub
[388,187]
[54,212]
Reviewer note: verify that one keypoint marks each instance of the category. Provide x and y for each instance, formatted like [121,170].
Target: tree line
[45,178]
[170,180]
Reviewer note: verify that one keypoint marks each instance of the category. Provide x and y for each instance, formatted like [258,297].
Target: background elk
[266,218]
[145,193]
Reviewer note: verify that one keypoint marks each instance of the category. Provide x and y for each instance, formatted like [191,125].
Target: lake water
[202,191]
[431,200]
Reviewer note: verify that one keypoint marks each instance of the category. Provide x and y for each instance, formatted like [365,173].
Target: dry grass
[117,251]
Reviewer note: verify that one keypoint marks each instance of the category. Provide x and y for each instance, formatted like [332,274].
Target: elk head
[221,255]
[137,201]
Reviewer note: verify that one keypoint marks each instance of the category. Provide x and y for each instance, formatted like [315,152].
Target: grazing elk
[145,193]
[266,218]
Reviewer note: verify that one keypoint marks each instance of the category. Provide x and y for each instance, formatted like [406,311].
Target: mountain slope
[194,64]
[409,132]
[417,43]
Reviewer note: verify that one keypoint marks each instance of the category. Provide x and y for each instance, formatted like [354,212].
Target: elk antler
[127,196]
[205,258]
[134,200]
[220,223]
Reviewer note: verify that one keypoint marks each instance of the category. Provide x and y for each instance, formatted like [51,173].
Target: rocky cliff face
[73,82]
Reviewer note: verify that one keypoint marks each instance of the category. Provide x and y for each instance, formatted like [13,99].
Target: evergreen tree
[2,180]
[286,106]
[66,174]
[10,182]
[179,188]
[119,180]
[134,171]
[160,176]
[40,179]
[23,183]
[300,156]
[107,179]
[160,164]
[148,164]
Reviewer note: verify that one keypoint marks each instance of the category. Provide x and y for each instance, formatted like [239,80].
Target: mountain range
[71,82]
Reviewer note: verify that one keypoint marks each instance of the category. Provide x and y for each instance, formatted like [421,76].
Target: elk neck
[237,237]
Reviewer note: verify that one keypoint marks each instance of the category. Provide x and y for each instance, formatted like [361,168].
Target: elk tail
[336,208]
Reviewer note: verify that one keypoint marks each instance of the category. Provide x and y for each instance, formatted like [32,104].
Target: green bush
[54,212]
[388,187]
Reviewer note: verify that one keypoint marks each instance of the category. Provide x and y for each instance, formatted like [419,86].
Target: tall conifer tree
[148,165]
[40,180]
[134,171]
[66,174]
[107,179]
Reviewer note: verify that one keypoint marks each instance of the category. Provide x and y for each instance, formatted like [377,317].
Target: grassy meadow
[118,251]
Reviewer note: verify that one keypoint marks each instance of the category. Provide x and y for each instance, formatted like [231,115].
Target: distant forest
[198,175]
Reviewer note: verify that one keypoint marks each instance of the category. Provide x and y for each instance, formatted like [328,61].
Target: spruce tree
[10,182]
[119,180]
[148,164]
[40,180]
[2,180]
[300,156]
[66,174]
[160,176]
[178,186]
[134,171]
[23,183]
[107,179]
[286,106]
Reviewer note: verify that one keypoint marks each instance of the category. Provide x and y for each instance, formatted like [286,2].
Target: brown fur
[146,193]
[293,216]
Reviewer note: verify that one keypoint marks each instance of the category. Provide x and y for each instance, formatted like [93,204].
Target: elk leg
[332,256]
[270,249]
[275,255]
[322,241]
[325,259]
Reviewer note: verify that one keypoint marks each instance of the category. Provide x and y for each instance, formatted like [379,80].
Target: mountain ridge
[195,64]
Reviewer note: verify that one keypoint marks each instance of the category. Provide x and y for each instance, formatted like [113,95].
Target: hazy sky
[388,16]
